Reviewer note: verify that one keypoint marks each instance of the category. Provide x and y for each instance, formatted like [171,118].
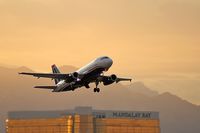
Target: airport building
[83,120]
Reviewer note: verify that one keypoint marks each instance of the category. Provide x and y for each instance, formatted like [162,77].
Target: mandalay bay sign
[127,114]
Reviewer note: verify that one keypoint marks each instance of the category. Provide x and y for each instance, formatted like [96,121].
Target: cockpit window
[104,57]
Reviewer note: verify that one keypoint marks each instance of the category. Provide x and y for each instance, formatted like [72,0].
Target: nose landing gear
[97,89]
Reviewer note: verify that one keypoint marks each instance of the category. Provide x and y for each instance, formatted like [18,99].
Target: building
[83,120]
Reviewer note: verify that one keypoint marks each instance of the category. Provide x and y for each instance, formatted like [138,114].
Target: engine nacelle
[72,76]
[109,80]
[113,77]
[75,75]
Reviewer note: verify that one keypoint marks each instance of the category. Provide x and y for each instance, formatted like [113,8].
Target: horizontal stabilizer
[45,87]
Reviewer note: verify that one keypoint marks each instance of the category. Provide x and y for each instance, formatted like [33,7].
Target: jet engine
[75,75]
[110,79]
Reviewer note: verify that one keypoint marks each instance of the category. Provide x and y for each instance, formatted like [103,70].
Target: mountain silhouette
[17,93]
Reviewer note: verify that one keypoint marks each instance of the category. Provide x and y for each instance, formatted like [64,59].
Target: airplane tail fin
[55,70]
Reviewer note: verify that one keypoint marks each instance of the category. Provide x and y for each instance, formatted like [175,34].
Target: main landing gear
[96,89]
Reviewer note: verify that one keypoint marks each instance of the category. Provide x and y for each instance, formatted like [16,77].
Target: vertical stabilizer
[55,70]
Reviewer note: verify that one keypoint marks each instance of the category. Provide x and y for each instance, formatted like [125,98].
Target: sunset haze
[153,41]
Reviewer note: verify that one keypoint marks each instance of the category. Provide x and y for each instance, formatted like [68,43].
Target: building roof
[84,111]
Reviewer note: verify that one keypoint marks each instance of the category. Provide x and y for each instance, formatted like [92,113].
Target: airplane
[91,73]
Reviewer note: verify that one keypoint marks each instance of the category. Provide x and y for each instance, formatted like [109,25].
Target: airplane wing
[48,75]
[117,80]
[123,79]
[46,87]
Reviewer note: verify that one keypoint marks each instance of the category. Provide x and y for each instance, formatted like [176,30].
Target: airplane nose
[110,62]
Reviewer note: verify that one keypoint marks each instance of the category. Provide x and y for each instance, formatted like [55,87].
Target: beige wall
[83,124]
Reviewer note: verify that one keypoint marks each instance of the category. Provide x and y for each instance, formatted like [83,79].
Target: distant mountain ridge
[17,93]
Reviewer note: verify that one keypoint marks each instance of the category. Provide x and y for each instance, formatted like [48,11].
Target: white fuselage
[101,62]
[96,66]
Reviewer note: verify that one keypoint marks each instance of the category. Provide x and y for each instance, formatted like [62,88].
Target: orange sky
[154,41]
